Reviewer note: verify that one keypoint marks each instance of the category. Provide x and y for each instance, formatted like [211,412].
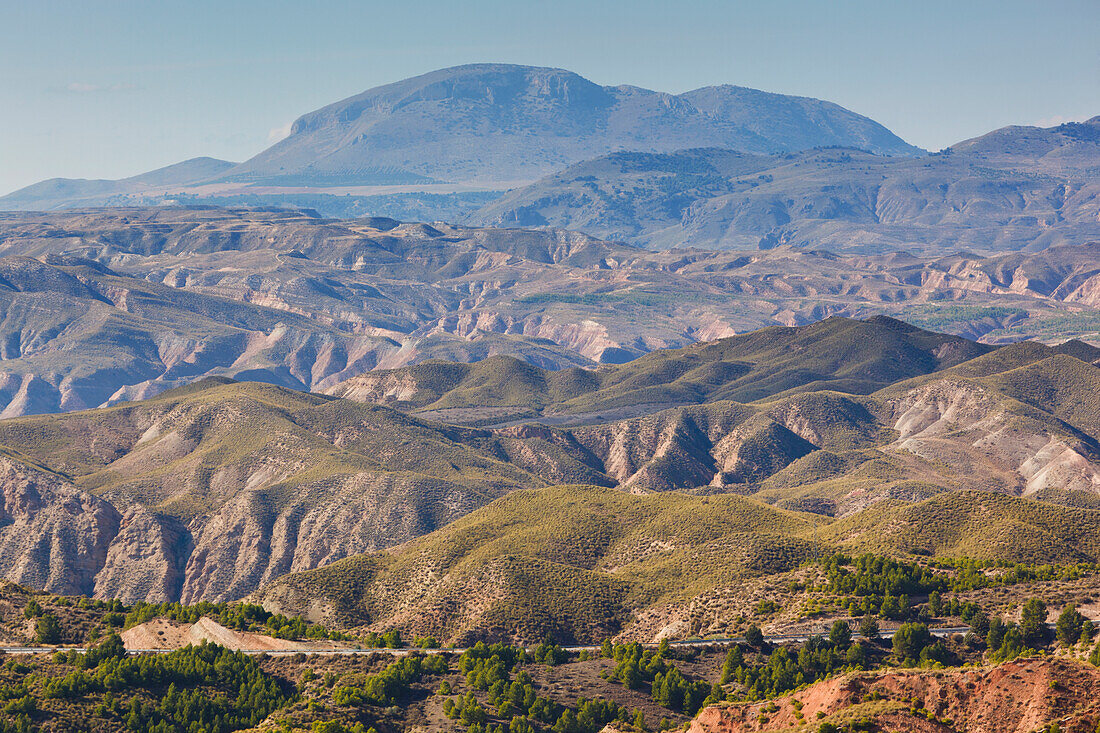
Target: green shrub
[909,641]
[48,629]
[1070,625]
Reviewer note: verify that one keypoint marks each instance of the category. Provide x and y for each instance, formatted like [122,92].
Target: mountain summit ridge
[529,120]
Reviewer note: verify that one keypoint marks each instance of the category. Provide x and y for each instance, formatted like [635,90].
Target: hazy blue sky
[110,88]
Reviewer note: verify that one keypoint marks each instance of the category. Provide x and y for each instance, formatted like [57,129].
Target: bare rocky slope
[208,491]
[1026,694]
[843,413]
[107,305]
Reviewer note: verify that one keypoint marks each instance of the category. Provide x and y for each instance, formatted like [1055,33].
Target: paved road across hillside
[776,639]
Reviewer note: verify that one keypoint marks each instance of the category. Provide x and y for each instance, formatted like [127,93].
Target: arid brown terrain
[214,490]
[499,400]
[1027,694]
[110,305]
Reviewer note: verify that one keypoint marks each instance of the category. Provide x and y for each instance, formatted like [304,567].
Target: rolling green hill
[983,525]
[582,562]
[576,559]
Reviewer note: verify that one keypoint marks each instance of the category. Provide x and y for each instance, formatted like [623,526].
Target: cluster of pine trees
[199,689]
[496,669]
[390,685]
[784,670]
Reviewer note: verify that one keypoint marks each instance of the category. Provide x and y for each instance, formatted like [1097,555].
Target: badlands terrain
[841,435]
[117,304]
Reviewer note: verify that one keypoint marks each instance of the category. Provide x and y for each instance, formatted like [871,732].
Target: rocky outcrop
[381,389]
[145,560]
[165,634]
[248,542]
[52,535]
[965,423]
[724,445]
[57,538]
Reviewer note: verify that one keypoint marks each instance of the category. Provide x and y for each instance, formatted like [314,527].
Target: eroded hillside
[1027,694]
[208,491]
[108,305]
[213,490]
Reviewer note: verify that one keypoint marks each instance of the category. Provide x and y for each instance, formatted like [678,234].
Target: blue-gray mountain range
[720,167]
[1019,188]
[499,122]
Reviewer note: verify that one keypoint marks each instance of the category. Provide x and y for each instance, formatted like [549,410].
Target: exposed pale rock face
[317,482]
[60,539]
[145,560]
[961,423]
[382,389]
[248,542]
[52,535]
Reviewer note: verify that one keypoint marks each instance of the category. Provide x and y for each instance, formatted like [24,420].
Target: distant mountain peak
[503,122]
[488,86]
[1072,147]
[63,192]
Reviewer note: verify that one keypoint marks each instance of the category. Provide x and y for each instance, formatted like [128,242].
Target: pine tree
[1033,622]
[868,627]
[754,637]
[48,629]
[841,634]
[1069,626]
